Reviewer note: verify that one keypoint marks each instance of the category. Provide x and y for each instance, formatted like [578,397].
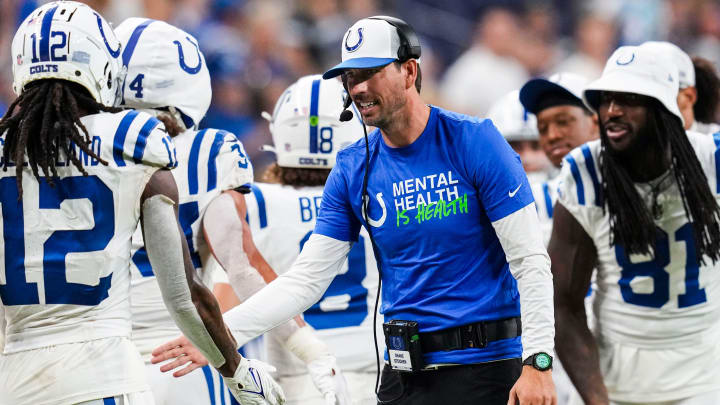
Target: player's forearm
[211,316]
[189,303]
[293,292]
[576,347]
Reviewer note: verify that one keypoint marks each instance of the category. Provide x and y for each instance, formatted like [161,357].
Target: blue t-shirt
[432,204]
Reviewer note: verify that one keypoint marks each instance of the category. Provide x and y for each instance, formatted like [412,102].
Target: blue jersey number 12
[17,290]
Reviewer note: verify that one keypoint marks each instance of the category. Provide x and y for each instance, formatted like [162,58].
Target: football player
[641,206]
[83,175]
[167,77]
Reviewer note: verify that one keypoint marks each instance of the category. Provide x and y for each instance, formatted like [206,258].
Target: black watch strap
[540,361]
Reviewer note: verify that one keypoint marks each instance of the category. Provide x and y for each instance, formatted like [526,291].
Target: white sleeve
[292,293]
[520,236]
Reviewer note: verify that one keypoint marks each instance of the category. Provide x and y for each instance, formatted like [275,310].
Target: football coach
[455,231]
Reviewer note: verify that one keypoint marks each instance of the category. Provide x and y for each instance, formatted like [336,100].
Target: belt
[476,335]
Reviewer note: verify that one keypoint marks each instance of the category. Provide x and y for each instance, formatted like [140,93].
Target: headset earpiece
[409,42]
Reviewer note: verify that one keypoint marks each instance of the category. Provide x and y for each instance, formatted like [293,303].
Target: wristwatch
[540,361]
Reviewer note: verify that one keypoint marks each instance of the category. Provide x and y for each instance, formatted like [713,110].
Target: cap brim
[356,63]
[532,92]
[620,83]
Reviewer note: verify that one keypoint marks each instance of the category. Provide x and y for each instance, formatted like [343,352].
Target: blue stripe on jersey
[262,212]
[193,162]
[221,391]
[590,164]
[139,151]
[132,42]
[548,200]
[233,401]
[210,384]
[314,101]
[120,134]
[578,179]
[45,35]
[142,262]
[109,401]
[716,138]
[212,164]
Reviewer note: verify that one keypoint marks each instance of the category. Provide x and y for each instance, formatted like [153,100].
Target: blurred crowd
[474,51]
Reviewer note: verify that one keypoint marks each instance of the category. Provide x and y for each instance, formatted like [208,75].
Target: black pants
[474,384]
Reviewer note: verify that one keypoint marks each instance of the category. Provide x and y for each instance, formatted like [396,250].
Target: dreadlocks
[631,223]
[46,123]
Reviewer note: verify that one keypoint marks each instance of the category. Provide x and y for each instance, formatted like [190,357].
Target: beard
[386,116]
[646,141]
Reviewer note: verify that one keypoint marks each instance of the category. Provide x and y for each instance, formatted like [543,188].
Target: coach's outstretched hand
[181,352]
[534,387]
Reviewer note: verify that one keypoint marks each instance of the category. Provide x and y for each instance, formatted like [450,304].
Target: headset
[409,49]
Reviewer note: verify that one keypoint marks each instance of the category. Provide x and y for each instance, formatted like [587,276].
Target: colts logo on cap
[355,47]
[625,59]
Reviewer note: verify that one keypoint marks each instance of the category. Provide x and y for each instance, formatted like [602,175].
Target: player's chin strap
[164,249]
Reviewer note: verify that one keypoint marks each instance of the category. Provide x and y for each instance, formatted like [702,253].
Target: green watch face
[543,361]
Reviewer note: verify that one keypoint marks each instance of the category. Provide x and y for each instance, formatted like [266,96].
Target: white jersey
[210,161]
[669,305]
[545,194]
[282,219]
[65,280]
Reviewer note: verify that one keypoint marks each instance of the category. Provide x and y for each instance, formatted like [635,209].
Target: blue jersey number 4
[17,290]
[345,301]
[655,269]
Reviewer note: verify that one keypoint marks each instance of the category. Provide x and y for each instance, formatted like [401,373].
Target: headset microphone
[346,115]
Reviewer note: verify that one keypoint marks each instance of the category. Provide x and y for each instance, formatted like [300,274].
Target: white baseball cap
[639,70]
[165,68]
[686,69]
[565,84]
[370,42]
[513,121]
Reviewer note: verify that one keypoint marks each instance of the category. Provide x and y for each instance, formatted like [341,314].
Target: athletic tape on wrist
[306,345]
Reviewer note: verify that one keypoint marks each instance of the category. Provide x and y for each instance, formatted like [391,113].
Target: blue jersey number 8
[17,290]
[349,283]
[655,269]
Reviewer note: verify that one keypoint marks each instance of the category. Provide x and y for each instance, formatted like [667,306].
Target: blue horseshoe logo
[632,58]
[181,55]
[357,45]
[115,53]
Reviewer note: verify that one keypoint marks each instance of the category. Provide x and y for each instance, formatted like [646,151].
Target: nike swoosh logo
[511,194]
[258,383]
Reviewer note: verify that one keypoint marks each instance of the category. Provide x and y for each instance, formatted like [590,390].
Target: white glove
[329,380]
[321,365]
[253,385]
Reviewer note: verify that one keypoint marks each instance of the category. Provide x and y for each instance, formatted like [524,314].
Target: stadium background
[474,51]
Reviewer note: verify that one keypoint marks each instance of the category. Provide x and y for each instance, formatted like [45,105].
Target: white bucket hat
[686,69]
[638,70]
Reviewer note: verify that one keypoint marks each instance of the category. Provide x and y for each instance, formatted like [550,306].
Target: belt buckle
[481,334]
[474,336]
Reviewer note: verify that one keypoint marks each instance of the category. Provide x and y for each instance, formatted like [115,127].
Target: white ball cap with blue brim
[638,70]
[369,43]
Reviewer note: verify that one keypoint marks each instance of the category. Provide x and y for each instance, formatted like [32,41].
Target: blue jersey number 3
[655,269]
[348,287]
[17,290]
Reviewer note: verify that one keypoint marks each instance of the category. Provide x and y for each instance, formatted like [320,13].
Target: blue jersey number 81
[655,269]
[17,290]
